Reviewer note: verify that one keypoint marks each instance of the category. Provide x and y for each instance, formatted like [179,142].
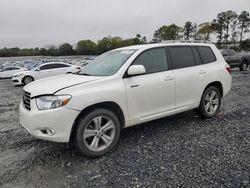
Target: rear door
[44,71]
[151,95]
[188,76]
[60,68]
[15,70]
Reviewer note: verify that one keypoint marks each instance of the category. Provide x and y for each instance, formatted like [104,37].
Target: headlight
[51,102]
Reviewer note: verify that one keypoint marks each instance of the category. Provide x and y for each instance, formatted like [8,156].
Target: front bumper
[17,80]
[52,125]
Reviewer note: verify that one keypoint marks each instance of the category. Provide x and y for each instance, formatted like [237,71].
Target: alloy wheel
[99,133]
[211,102]
[27,80]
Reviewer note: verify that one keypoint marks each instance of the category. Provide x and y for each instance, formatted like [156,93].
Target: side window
[206,53]
[59,65]
[55,66]
[153,60]
[224,52]
[181,57]
[230,52]
[15,68]
[7,69]
[45,67]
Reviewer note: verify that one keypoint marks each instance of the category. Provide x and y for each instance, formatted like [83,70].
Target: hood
[22,72]
[53,84]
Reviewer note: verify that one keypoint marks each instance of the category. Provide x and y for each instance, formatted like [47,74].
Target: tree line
[228,27]
[83,47]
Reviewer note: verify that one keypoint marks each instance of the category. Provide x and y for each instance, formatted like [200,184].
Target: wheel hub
[99,134]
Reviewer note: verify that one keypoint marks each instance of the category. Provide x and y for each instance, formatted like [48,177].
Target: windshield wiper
[85,74]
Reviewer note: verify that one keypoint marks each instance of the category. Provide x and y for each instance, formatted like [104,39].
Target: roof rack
[187,41]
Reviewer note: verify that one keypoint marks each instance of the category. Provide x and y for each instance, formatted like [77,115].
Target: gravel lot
[181,150]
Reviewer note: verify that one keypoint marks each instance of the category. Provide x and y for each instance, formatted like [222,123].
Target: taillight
[228,69]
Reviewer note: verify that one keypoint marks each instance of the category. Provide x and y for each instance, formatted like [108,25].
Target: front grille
[26,100]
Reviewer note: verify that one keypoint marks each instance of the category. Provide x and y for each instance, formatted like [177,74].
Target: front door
[151,95]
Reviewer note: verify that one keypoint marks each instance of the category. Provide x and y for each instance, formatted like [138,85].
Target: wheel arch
[26,77]
[109,105]
[217,84]
[245,60]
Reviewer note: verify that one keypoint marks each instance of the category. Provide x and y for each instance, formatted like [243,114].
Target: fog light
[47,131]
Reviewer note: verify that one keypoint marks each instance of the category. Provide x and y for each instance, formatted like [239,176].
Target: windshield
[108,63]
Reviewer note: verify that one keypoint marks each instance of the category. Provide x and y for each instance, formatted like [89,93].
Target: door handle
[136,85]
[202,72]
[167,78]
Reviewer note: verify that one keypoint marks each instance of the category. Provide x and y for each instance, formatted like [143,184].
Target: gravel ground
[178,151]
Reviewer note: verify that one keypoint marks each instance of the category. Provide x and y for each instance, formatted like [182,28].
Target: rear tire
[97,133]
[27,80]
[243,66]
[210,103]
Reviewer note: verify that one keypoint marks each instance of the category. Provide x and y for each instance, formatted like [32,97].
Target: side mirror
[136,70]
[37,69]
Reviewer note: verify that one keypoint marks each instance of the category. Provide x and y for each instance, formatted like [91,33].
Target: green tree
[52,50]
[115,42]
[229,18]
[42,51]
[144,40]
[65,49]
[189,29]
[218,26]
[222,24]
[204,31]
[244,23]
[234,32]
[139,39]
[104,45]
[170,32]
[86,47]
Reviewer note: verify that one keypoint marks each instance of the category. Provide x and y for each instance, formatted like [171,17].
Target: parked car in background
[235,59]
[122,88]
[43,71]
[8,72]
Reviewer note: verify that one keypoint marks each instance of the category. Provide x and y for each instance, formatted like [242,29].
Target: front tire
[27,80]
[243,66]
[97,133]
[210,103]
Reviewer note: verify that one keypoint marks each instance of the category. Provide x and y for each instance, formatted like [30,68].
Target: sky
[38,23]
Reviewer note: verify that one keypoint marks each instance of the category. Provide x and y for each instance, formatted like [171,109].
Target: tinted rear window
[181,57]
[206,54]
[44,67]
[59,65]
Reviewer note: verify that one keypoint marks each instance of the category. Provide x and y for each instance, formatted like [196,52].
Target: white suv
[43,71]
[125,87]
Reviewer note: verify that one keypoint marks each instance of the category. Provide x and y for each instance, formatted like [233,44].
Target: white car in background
[44,71]
[8,72]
